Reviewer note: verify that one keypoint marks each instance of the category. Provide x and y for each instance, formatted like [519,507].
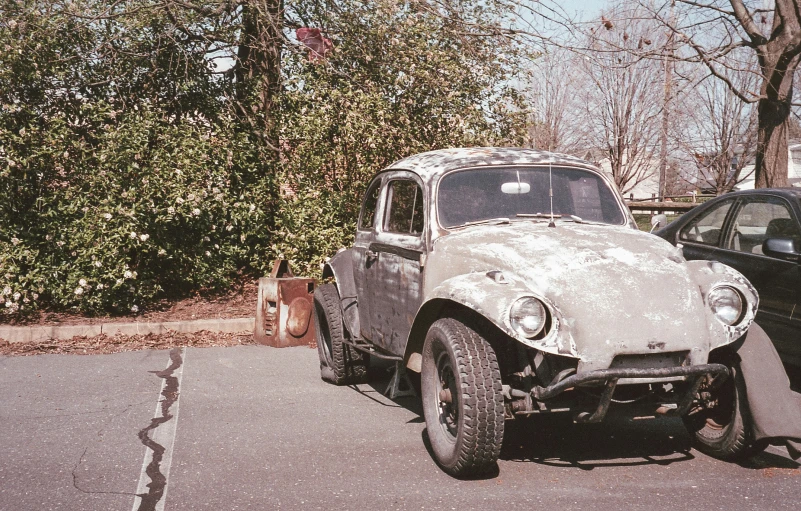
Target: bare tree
[257,69]
[705,32]
[624,99]
[554,99]
[712,30]
[721,139]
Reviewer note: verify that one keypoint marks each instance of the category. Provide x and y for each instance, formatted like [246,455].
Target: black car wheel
[462,398]
[339,363]
[718,426]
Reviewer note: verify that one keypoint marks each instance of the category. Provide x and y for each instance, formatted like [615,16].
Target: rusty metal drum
[284,309]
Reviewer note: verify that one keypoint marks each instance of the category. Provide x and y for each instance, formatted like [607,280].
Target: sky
[588,7]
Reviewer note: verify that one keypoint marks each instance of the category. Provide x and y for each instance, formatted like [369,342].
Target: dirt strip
[119,343]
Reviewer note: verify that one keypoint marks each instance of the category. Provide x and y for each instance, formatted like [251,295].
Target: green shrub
[154,208]
[130,170]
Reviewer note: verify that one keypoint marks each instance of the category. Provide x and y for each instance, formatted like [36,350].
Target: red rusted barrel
[284,308]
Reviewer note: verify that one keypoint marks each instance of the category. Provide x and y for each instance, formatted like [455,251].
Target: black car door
[702,236]
[753,220]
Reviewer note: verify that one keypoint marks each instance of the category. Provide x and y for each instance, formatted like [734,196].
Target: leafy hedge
[128,171]
[152,208]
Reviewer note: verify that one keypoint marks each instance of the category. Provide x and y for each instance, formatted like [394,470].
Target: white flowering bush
[124,228]
[131,171]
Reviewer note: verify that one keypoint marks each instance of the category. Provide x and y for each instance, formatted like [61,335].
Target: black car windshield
[480,194]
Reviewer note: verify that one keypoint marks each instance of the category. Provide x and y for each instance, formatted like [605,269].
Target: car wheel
[462,398]
[339,363]
[719,427]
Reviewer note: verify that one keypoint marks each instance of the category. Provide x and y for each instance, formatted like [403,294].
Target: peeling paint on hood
[619,291]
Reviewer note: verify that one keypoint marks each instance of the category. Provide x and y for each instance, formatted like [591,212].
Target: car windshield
[502,193]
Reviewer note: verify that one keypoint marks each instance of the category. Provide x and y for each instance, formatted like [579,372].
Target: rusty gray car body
[614,290]
[625,310]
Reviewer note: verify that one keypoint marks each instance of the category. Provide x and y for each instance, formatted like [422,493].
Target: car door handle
[371,256]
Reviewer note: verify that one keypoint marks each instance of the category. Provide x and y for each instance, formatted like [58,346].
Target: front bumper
[694,376]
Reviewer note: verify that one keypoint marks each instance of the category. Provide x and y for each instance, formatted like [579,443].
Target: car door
[366,231]
[753,220]
[702,236]
[392,269]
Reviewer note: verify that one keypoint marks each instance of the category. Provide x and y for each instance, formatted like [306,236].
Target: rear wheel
[340,364]
[718,426]
[462,398]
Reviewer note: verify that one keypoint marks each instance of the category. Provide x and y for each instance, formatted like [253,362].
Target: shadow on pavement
[380,374]
[557,441]
[769,460]
[794,373]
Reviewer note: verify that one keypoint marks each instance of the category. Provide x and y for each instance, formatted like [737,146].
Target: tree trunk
[771,155]
[258,67]
[773,113]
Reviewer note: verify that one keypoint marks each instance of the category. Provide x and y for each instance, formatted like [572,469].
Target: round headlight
[527,316]
[726,303]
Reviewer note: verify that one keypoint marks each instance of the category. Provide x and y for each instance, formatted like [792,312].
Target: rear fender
[340,267]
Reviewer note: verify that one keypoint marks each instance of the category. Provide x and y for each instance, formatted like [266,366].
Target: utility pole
[663,153]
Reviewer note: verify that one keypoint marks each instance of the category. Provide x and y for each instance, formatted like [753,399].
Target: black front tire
[462,399]
[722,430]
[340,363]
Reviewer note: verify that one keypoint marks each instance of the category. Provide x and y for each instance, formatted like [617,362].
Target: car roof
[787,191]
[435,163]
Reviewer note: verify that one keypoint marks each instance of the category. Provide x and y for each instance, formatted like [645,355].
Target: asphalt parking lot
[252,427]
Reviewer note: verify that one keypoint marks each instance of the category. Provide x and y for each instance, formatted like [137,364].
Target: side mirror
[657,222]
[785,249]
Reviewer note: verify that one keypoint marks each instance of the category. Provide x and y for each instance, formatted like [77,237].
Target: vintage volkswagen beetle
[516,282]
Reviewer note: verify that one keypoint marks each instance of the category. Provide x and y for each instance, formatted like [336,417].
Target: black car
[758,233]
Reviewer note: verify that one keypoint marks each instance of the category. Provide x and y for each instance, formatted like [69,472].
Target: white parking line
[159,440]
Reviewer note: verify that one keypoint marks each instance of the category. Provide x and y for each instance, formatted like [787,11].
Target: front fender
[492,298]
[708,275]
[340,267]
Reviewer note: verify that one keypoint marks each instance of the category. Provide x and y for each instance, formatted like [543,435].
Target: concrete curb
[46,333]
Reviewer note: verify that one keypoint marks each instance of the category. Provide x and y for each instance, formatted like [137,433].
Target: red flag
[319,46]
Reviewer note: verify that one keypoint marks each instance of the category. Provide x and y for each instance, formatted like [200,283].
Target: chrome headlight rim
[529,317]
[716,311]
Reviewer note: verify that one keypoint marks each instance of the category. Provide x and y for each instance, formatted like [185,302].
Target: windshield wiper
[493,221]
[571,218]
[537,215]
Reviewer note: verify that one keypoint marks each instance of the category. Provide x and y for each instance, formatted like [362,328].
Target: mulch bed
[103,344]
[238,302]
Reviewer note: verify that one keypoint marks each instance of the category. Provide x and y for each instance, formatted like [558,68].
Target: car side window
[367,218]
[706,228]
[759,219]
[405,212]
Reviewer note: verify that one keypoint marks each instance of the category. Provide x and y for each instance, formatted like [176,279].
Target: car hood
[619,291]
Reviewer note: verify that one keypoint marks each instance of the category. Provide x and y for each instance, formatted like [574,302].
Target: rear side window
[405,212]
[367,218]
[706,228]
[758,220]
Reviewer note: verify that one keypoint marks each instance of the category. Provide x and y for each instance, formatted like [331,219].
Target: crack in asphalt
[158,481]
[91,492]
[86,449]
